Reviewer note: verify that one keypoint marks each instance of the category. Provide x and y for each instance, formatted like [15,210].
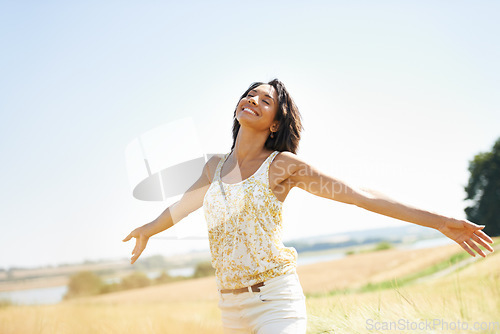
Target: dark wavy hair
[290,121]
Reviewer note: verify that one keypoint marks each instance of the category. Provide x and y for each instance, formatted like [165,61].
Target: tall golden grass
[470,295]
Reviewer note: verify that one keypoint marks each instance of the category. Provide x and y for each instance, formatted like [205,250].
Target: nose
[252,100]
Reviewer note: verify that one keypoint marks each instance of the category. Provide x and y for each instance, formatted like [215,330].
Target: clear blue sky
[396,96]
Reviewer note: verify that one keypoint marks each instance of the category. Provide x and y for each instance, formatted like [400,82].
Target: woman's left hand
[467,235]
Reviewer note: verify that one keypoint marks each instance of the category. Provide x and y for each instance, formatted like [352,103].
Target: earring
[272,134]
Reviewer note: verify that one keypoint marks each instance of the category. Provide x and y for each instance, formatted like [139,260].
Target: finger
[136,247]
[127,238]
[484,236]
[467,249]
[475,247]
[135,257]
[481,242]
[140,245]
[135,252]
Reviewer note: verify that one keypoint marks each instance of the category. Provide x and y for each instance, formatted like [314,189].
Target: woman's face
[258,108]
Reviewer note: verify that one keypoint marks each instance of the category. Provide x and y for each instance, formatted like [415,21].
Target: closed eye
[248,95]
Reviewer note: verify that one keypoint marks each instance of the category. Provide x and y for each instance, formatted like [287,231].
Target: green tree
[203,269]
[83,283]
[111,287]
[483,190]
[383,246]
[164,278]
[135,280]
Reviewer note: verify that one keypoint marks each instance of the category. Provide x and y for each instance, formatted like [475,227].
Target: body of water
[310,259]
[185,271]
[52,295]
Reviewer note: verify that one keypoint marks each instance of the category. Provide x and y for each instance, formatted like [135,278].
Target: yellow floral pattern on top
[245,231]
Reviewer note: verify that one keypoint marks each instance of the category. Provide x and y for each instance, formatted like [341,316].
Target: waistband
[255,287]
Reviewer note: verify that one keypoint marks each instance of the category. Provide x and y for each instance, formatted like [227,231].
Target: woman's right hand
[141,240]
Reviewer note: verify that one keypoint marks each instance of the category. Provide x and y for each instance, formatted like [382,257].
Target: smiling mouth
[250,111]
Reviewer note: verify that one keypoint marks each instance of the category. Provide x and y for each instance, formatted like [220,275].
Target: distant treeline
[87,283]
[155,262]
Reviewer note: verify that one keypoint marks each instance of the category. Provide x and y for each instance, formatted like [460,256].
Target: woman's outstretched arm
[190,201]
[298,173]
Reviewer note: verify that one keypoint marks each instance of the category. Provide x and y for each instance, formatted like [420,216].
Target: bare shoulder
[211,165]
[289,160]
[283,166]
[288,157]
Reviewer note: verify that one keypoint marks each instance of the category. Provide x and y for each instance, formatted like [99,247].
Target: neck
[249,144]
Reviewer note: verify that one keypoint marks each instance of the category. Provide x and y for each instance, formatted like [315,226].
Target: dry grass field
[356,270]
[471,294]
[467,297]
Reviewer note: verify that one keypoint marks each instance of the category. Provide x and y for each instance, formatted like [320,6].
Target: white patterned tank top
[245,231]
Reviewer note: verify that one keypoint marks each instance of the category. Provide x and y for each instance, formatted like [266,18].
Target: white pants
[279,308]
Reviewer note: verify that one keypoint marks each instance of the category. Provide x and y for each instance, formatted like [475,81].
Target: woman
[242,194]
